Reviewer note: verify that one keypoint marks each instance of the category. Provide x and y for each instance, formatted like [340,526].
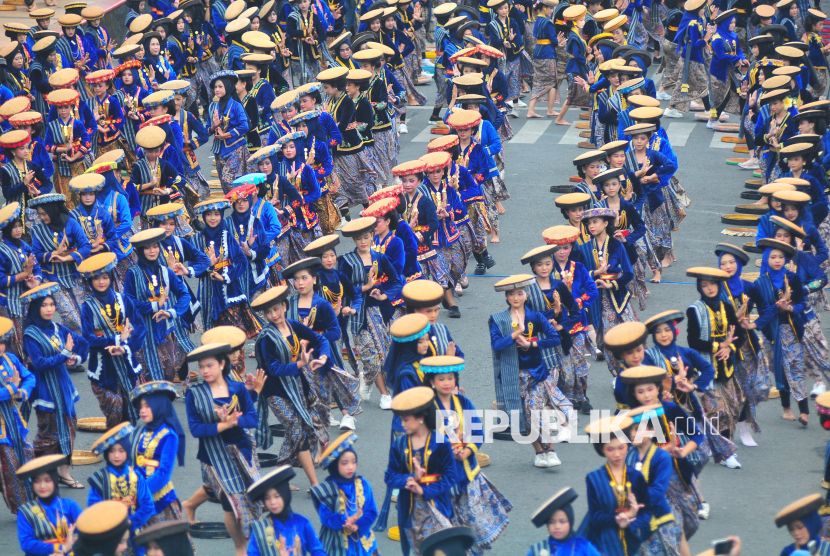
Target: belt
[559,22]
[100,333]
[429,479]
[672,28]
[141,461]
[542,41]
[609,276]
[740,11]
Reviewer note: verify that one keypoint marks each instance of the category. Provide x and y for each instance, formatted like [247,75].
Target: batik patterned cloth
[344,386]
[574,372]
[793,361]
[671,59]
[385,156]
[539,397]
[242,317]
[545,77]
[327,214]
[14,489]
[111,404]
[405,79]
[298,435]
[684,504]
[752,373]
[68,305]
[372,344]
[698,81]
[483,508]
[232,166]
[425,519]
[46,441]
[171,356]
[120,270]
[610,319]
[664,541]
[455,260]
[357,177]
[440,79]
[513,72]
[312,68]
[722,404]
[437,270]
[816,351]
[719,91]
[577,95]
[658,229]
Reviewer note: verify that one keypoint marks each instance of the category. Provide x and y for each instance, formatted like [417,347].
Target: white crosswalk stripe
[531,131]
[716,143]
[425,136]
[571,136]
[679,132]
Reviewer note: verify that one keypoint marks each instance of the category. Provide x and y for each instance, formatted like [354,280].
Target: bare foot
[667,261]
[657,276]
[293,488]
[189,511]
[788,415]
[559,121]
[495,239]
[803,419]
[500,207]
[550,114]
[533,115]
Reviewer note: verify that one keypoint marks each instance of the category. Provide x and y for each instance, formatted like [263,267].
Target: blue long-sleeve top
[694,36]
[14,191]
[500,32]
[725,54]
[600,523]
[304,215]
[577,51]
[664,168]
[77,247]
[496,83]
[769,311]
[9,362]
[323,164]
[324,128]
[336,520]
[630,221]
[194,131]
[235,122]
[618,264]
[447,233]
[267,215]
[95,217]
[7,274]
[573,545]
[818,196]
[813,278]
[41,157]
[544,31]
[235,436]
[194,260]
[583,290]
[658,466]
[264,96]
[295,527]
[480,165]
[178,289]
[468,188]
[277,367]
[325,319]
[530,360]
[29,543]
[436,459]
[101,368]
[143,507]
[117,207]
[157,451]
[393,247]
[766,229]
[387,280]
[44,364]
[462,403]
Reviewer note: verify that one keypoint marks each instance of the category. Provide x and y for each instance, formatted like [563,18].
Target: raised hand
[70,342]
[127,331]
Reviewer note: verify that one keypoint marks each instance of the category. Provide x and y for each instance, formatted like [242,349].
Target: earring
[420,422]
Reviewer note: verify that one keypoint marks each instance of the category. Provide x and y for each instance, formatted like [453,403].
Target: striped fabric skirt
[372,344]
[573,376]
[385,155]
[357,178]
[245,511]
[13,487]
[171,355]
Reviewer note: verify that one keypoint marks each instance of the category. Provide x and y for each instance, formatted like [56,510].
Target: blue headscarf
[214,234]
[285,163]
[33,317]
[400,354]
[813,523]
[112,183]
[128,447]
[670,350]
[682,27]
[164,414]
[334,471]
[735,283]
[723,29]
[776,276]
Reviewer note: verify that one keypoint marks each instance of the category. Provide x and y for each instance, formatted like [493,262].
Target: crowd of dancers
[110,223]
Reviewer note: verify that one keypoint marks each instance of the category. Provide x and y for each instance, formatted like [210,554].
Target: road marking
[716,143]
[425,136]
[679,133]
[531,131]
[571,136]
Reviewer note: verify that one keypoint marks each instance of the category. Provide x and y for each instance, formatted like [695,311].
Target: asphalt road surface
[787,464]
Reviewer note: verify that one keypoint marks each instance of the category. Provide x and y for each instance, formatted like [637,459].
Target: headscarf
[53,473]
[177,545]
[735,283]
[285,162]
[106,297]
[128,447]
[776,276]
[284,490]
[242,218]
[711,302]
[670,350]
[164,414]
[813,523]
[33,317]
[682,27]
[336,52]
[569,513]
[153,267]
[266,26]
[58,214]
[131,89]
[214,234]
[7,234]
[230,93]
[334,470]
[99,546]
[723,29]
[111,183]
[400,354]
